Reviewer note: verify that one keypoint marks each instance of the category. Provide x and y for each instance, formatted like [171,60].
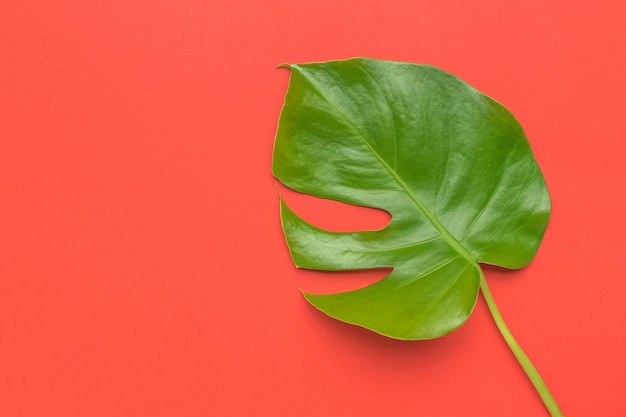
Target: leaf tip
[308,298]
[284,65]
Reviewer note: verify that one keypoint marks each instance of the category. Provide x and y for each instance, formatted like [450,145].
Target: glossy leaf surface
[452,167]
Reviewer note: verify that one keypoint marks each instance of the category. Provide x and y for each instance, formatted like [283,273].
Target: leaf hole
[326,282]
[334,216]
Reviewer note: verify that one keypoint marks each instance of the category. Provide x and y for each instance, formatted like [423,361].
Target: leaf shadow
[381,352]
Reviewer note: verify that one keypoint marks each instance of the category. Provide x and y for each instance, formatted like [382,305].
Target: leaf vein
[483,209]
[440,297]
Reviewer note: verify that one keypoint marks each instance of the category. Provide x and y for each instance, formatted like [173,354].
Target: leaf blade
[443,159]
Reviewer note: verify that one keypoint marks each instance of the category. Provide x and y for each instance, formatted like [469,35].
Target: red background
[143,271]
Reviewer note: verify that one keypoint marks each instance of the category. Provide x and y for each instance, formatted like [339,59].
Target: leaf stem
[524,361]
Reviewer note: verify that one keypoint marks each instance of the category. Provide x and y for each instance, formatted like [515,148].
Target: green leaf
[452,167]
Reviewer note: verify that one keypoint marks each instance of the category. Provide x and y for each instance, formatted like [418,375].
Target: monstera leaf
[451,166]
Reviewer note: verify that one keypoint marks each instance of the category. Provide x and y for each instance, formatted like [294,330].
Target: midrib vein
[445,234]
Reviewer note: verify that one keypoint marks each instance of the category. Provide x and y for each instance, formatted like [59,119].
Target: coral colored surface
[143,271]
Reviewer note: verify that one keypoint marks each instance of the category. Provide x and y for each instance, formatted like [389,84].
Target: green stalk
[529,368]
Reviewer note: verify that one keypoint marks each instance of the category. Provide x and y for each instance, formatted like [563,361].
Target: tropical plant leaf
[452,167]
